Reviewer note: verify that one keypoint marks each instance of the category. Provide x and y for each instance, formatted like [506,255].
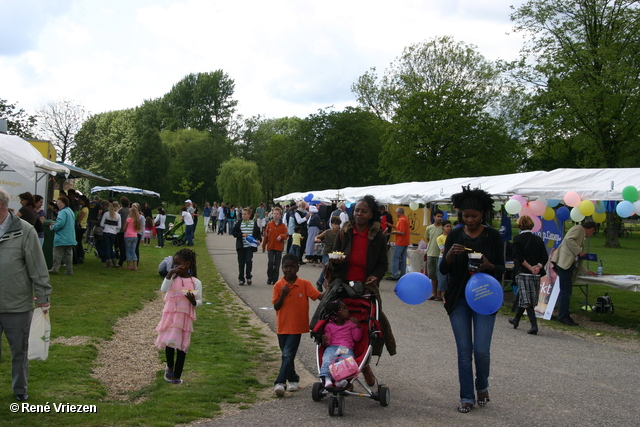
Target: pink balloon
[525,211]
[571,198]
[537,207]
[537,224]
[520,199]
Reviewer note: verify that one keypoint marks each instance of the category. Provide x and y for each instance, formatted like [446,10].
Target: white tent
[590,184]
[22,167]
[20,156]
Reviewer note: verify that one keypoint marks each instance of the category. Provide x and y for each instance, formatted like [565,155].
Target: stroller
[175,234]
[365,309]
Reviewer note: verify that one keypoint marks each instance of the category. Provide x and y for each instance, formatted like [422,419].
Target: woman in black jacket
[472,331]
[365,260]
[529,258]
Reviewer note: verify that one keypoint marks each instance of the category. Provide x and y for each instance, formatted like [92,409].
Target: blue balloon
[625,209]
[413,288]
[600,206]
[484,293]
[552,203]
[563,214]
[445,215]
[252,241]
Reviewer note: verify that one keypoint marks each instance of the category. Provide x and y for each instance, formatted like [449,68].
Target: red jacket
[270,239]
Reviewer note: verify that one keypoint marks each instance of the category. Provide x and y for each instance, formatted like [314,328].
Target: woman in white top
[111,224]
[159,223]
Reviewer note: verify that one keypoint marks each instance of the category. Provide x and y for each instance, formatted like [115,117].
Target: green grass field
[226,357]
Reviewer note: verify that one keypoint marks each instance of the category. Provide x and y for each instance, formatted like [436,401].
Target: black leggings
[177,368]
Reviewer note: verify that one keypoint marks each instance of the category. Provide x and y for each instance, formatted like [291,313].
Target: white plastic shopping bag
[39,335]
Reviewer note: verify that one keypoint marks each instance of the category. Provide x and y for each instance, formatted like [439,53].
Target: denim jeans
[108,240]
[273,267]
[443,279]
[245,262]
[399,259]
[289,346]
[566,289]
[188,234]
[160,234]
[297,251]
[221,226]
[130,248]
[473,334]
[330,353]
[325,260]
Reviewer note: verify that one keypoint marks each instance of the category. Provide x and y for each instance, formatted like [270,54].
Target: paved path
[553,379]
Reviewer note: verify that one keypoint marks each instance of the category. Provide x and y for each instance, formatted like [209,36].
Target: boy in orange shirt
[275,235]
[291,301]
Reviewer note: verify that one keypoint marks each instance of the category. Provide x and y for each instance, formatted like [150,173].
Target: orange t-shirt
[403,226]
[293,316]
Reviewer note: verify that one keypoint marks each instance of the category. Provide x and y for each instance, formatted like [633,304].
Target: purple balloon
[563,214]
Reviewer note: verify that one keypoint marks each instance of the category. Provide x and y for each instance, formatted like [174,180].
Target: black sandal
[465,408]
[484,400]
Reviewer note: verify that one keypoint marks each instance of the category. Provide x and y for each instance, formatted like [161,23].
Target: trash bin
[47,247]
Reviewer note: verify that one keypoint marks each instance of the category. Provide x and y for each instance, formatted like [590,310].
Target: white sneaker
[341,383]
[279,389]
[293,386]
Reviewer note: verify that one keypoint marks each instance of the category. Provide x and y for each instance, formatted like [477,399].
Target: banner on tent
[417,225]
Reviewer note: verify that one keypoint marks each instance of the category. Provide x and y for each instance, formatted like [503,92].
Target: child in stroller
[365,311]
[340,334]
[175,233]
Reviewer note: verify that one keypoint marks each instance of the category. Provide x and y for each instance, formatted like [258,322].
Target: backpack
[604,305]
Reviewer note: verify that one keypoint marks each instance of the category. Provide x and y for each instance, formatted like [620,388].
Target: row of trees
[440,110]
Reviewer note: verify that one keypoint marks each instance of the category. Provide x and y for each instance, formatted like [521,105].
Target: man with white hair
[342,213]
[24,272]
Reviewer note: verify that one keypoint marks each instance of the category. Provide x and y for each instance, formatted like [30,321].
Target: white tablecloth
[627,283]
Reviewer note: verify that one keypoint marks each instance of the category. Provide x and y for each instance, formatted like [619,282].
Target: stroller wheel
[340,405]
[384,395]
[316,392]
[175,243]
[333,404]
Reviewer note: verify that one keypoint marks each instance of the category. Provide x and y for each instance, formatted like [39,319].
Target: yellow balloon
[549,214]
[599,217]
[586,207]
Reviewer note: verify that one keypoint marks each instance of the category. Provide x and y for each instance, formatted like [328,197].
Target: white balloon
[576,215]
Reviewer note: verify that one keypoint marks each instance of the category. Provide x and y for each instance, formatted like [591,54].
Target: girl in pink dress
[183,292]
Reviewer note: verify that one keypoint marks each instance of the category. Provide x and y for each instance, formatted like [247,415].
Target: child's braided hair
[189,255]
[332,310]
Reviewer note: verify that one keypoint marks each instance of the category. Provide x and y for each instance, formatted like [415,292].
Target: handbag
[342,368]
[98,230]
[39,335]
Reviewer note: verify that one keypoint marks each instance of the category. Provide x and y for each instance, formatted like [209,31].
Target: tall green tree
[448,108]
[150,160]
[582,57]
[18,121]
[337,149]
[201,101]
[434,136]
[238,182]
[425,67]
[105,144]
[581,60]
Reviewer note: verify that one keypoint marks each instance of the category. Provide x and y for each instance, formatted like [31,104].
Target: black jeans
[273,267]
[245,261]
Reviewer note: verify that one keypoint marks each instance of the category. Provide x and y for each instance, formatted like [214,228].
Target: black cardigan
[237,233]
[529,247]
[489,243]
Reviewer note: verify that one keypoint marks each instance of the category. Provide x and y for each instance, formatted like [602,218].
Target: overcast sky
[287,57]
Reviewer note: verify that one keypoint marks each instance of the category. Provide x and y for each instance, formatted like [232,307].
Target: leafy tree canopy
[238,182]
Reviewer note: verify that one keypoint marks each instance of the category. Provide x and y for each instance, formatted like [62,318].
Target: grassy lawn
[623,260]
[224,363]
